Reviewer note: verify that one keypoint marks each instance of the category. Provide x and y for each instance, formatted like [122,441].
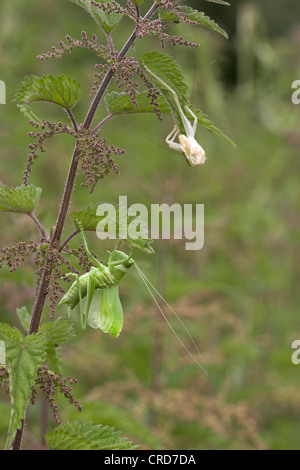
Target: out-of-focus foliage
[239,295]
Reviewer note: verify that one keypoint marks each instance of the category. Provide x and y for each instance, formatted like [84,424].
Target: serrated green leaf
[88,219]
[23,358]
[192,15]
[137,2]
[24,317]
[168,70]
[79,435]
[111,415]
[58,332]
[22,199]
[106,21]
[62,91]
[121,103]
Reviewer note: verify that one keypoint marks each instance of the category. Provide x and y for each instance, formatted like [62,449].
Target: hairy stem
[104,121]
[72,118]
[39,225]
[68,239]
[65,204]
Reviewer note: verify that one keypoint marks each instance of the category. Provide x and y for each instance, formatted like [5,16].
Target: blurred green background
[239,295]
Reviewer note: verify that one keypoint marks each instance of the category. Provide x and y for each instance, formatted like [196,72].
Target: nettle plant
[30,358]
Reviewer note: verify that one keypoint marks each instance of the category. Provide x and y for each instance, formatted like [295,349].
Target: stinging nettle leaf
[168,70]
[79,435]
[107,21]
[22,199]
[24,317]
[59,331]
[121,103]
[86,218]
[23,358]
[115,416]
[192,15]
[62,91]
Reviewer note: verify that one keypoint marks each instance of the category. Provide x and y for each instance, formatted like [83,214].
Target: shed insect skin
[192,150]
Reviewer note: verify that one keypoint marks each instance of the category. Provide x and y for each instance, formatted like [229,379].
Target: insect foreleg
[90,255]
[117,246]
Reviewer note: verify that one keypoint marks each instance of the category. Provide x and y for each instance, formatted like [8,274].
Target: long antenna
[172,310]
[148,285]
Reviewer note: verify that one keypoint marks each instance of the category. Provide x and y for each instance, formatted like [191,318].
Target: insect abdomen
[71,298]
[102,280]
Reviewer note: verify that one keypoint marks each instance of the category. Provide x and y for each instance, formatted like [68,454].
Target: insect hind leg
[195,118]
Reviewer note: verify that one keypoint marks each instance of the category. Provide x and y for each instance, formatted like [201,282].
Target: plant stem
[65,204]
[39,225]
[110,42]
[72,118]
[72,235]
[104,121]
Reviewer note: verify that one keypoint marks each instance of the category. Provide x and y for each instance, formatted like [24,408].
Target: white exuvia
[187,143]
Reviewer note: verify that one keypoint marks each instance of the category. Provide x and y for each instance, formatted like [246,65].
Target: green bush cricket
[103,308]
[105,279]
